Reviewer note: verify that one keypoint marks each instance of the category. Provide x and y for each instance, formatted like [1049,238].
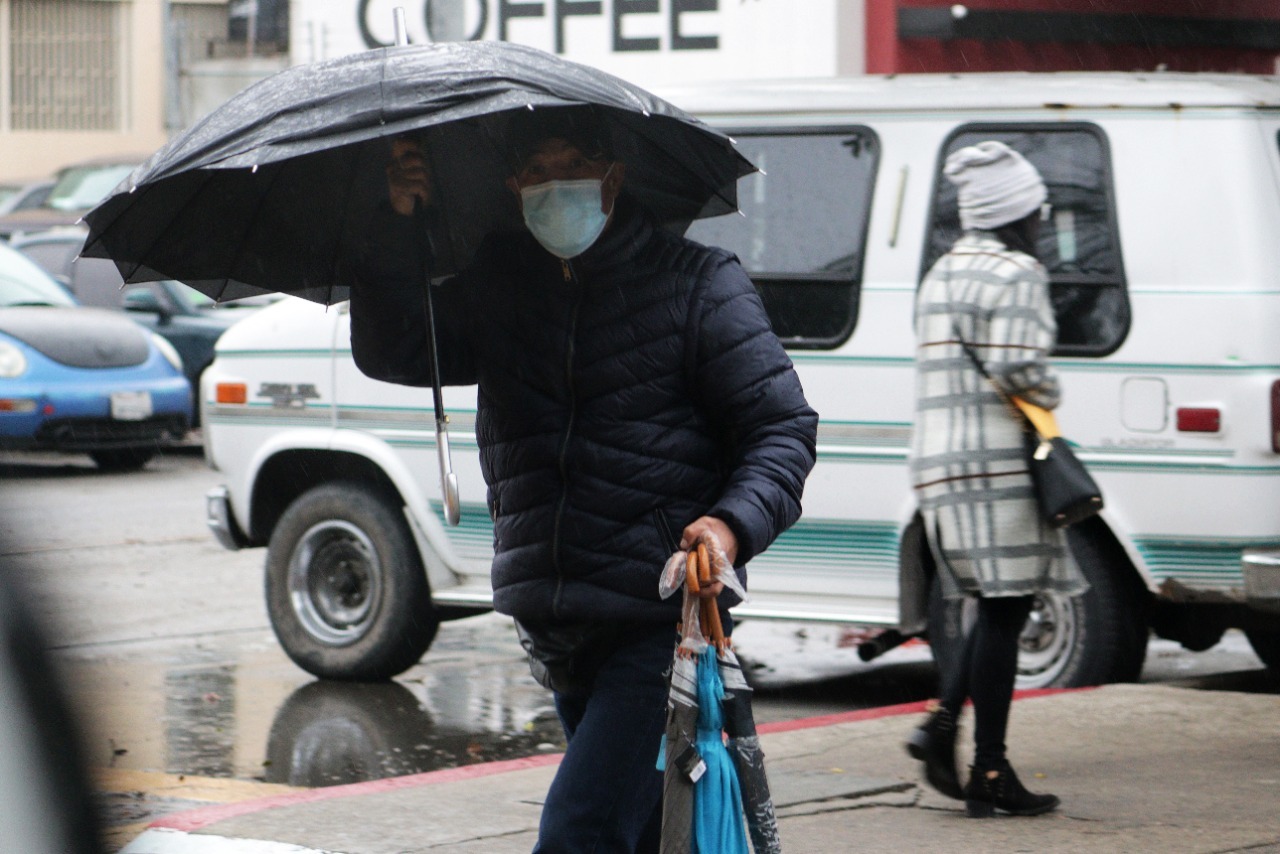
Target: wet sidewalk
[1138,767]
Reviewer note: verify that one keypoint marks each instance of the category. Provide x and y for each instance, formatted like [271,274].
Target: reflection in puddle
[441,714]
[234,706]
[329,733]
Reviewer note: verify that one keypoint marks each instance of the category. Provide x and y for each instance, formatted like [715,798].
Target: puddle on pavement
[328,733]
[246,712]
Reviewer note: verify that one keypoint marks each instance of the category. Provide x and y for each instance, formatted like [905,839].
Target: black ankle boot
[1000,789]
[934,744]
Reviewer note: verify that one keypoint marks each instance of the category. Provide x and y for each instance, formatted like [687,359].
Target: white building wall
[683,41]
[140,122]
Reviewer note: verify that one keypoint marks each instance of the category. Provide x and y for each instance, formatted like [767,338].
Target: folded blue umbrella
[718,819]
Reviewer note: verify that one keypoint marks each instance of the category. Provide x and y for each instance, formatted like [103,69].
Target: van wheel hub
[335,582]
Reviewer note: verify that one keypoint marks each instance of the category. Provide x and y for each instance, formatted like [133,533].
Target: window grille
[66,59]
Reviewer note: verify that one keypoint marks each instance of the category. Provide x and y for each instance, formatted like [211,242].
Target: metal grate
[65,72]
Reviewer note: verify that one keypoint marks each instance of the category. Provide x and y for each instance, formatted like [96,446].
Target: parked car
[76,189]
[20,195]
[80,379]
[189,320]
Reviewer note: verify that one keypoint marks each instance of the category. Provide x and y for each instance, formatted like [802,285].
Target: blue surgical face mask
[565,216]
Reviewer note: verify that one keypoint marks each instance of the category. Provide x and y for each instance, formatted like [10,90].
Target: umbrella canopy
[748,758]
[272,190]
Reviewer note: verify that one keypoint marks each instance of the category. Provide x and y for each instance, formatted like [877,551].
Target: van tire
[1267,646]
[1071,642]
[346,590]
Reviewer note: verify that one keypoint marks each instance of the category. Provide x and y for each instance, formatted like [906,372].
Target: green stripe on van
[849,546]
[1197,561]
[1063,365]
[472,537]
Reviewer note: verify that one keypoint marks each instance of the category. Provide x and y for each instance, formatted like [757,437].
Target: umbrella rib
[661,149]
[339,249]
[170,224]
[257,214]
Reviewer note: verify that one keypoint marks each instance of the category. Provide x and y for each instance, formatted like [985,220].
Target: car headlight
[163,345]
[12,362]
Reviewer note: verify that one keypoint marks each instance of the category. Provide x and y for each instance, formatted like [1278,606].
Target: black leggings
[985,673]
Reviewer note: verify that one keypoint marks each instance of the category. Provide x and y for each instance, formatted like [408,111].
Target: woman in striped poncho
[984,327]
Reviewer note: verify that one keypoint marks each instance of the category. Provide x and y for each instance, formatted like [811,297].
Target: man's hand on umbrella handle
[408,178]
[728,542]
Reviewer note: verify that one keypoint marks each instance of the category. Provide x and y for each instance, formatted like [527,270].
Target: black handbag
[1065,490]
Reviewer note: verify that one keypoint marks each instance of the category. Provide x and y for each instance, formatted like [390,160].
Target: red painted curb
[890,711]
[204,816]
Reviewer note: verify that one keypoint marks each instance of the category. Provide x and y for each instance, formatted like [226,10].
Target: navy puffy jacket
[622,395]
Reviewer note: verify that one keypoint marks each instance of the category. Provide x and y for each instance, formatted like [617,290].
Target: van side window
[803,228]
[1079,243]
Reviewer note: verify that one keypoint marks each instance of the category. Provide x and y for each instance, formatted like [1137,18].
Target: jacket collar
[629,230]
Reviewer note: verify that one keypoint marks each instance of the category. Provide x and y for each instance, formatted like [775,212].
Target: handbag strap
[1040,419]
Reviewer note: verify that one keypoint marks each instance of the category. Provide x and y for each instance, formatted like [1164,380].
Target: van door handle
[897,206]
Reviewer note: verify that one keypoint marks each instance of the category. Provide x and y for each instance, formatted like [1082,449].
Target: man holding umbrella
[632,399]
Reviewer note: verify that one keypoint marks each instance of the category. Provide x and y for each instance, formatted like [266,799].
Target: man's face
[557,159]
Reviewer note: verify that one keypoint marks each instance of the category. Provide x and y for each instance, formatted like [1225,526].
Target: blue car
[83,380]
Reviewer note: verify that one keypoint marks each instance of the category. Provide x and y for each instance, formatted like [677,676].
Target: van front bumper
[1261,569]
[221,521]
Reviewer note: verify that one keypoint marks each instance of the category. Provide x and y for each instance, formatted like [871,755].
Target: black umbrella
[272,191]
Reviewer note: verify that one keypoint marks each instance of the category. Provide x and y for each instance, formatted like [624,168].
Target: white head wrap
[995,185]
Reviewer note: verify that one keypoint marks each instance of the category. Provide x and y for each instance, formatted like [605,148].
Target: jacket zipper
[570,279]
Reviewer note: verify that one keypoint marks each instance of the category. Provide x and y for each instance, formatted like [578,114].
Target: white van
[1164,256]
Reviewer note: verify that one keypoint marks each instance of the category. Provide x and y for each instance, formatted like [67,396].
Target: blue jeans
[606,797]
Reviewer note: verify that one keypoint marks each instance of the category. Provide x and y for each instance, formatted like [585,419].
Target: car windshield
[83,187]
[23,283]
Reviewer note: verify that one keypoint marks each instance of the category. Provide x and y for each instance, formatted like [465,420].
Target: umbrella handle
[711,623]
[710,610]
[448,480]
